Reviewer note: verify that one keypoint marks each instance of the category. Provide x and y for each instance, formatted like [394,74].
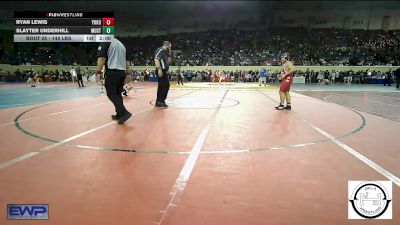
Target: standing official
[79,75]
[162,60]
[112,55]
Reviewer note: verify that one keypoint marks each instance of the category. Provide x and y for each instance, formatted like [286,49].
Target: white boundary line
[350,150]
[193,155]
[75,137]
[370,163]
[18,159]
[31,154]
[358,155]
[190,162]
[68,110]
[186,171]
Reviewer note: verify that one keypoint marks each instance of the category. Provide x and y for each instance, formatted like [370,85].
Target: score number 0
[108,21]
[108,25]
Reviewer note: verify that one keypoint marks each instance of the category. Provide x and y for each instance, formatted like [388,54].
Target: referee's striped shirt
[161,55]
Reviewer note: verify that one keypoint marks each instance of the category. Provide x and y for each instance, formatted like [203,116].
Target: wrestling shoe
[280,107]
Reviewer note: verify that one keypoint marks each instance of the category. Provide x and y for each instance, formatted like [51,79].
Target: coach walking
[162,60]
[112,55]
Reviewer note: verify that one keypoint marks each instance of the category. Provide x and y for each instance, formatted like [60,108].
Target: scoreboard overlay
[36,26]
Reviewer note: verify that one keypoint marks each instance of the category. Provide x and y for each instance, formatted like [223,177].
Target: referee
[112,55]
[162,60]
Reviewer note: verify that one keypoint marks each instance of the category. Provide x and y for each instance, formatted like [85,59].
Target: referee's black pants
[114,84]
[163,86]
[80,80]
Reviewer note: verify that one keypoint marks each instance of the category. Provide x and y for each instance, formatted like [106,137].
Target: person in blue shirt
[189,75]
[263,76]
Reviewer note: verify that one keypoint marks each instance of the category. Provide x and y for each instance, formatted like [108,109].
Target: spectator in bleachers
[236,47]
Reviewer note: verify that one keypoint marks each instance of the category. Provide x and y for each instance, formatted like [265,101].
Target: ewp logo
[28,212]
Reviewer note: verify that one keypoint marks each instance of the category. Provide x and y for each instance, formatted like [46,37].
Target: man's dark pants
[180,80]
[80,80]
[114,83]
[386,81]
[163,86]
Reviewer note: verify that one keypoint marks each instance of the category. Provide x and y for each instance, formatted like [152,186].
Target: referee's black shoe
[115,117]
[124,118]
[161,105]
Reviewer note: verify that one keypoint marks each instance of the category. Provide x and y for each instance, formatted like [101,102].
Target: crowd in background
[256,47]
[306,47]
[310,76]
[46,75]
[309,47]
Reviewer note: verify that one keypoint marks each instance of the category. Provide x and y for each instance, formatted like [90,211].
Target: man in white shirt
[73,74]
[333,77]
[350,78]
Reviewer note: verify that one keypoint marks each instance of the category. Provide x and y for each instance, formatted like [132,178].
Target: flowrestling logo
[370,200]
[27,211]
